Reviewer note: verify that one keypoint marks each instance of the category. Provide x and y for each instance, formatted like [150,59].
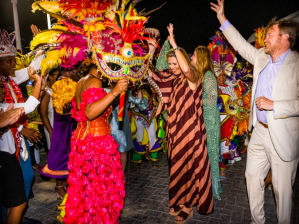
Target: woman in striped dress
[190,175]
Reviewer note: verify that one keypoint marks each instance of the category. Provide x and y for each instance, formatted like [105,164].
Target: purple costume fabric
[58,156]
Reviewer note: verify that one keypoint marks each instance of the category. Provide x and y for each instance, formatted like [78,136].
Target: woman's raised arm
[183,63]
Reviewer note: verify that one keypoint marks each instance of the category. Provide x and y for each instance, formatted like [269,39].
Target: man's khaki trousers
[261,156]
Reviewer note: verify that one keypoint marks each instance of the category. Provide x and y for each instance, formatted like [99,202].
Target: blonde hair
[171,53]
[203,62]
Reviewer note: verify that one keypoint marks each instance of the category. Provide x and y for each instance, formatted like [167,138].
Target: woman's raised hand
[171,36]
[121,86]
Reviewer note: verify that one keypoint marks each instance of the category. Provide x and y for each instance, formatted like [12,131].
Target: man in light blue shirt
[274,113]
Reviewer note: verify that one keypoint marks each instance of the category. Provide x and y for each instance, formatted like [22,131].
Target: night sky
[193,20]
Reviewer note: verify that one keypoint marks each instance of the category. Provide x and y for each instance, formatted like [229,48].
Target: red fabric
[9,99]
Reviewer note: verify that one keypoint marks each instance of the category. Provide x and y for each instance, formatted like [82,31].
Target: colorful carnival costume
[122,137]
[226,94]
[223,57]
[96,181]
[146,143]
[241,78]
[63,127]
[212,123]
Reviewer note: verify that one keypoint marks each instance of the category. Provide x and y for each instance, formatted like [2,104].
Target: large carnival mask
[117,56]
[237,107]
[117,66]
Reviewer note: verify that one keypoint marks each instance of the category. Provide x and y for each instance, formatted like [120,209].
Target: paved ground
[147,198]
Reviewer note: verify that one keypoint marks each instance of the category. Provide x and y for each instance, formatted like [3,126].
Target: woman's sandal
[185,217]
[176,210]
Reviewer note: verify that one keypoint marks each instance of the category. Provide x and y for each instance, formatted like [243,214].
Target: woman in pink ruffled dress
[96,181]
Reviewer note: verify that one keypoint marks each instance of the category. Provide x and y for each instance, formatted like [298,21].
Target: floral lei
[63,93]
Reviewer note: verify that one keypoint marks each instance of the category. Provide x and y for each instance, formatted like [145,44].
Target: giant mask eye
[127,51]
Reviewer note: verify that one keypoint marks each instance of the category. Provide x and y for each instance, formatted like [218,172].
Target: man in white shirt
[12,183]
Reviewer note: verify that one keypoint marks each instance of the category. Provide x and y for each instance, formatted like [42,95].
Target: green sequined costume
[162,63]
[212,123]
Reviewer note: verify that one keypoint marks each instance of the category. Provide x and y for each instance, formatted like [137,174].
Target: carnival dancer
[186,135]
[124,137]
[202,61]
[63,127]
[96,181]
[46,107]
[144,116]
[119,49]
[223,57]
[274,113]
[241,79]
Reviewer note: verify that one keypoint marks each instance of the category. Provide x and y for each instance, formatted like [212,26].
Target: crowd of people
[92,90]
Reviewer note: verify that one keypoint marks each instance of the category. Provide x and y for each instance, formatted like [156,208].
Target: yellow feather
[59,27]
[44,38]
[125,2]
[53,59]
[23,61]
[260,36]
[51,6]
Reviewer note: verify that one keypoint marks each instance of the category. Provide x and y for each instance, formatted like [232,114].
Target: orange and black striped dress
[190,175]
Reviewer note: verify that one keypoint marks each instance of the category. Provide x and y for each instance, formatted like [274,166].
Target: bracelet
[177,48]
[112,94]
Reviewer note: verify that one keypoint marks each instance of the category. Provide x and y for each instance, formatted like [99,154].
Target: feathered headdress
[223,55]
[23,61]
[101,26]
[241,71]
[260,36]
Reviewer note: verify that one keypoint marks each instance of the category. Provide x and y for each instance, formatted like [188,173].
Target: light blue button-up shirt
[266,78]
[266,81]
